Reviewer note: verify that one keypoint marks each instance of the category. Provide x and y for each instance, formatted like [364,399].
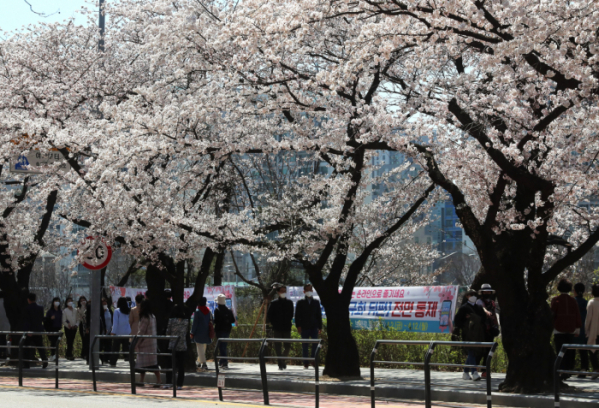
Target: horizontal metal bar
[406,342]
[456,365]
[580,347]
[52,334]
[111,353]
[154,354]
[399,363]
[238,358]
[34,361]
[295,340]
[230,340]
[160,385]
[290,358]
[156,337]
[577,372]
[160,370]
[39,348]
[463,344]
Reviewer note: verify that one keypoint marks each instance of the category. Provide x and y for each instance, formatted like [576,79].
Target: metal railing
[133,354]
[22,347]
[558,362]
[259,359]
[314,359]
[427,364]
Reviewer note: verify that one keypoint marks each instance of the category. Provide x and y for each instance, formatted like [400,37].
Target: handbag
[211,332]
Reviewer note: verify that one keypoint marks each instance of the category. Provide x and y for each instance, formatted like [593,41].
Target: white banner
[427,309]
[210,293]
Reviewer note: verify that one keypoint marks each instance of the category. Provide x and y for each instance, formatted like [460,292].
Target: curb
[384,391]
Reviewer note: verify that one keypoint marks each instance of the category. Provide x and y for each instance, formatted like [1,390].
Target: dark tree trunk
[342,359]
[156,284]
[178,284]
[200,283]
[218,268]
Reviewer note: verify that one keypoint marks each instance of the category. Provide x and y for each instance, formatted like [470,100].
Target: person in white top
[70,321]
[592,327]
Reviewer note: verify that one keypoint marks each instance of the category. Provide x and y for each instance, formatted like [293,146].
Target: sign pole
[96,275]
[95,310]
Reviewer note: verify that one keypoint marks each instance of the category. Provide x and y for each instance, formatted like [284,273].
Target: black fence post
[174,367]
[132,365]
[21,342]
[220,391]
[372,355]
[317,368]
[56,350]
[556,379]
[263,376]
[93,363]
[489,386]
[427,376]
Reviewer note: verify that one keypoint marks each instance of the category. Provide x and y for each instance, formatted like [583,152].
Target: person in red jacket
[566,323]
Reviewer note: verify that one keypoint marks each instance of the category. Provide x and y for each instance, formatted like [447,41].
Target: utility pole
[95,275]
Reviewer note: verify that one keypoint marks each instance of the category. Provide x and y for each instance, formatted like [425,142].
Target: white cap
[221,299]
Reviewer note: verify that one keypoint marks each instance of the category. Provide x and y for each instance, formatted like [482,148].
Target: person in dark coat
[200,331]
[53,324]
[566,323]
[308,320]
[33,321]
[579,289]
[280,315]
[83,314]
[4,326]
[223,324]
[469,322]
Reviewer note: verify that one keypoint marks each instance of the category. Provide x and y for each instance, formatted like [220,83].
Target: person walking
[566,323]
[280,315]
[223,324]
[591,326]
[178,325]
[579,290]
[83,313]
[308,320]
[200,331]
[486,300]
[53,324]
[33,321]
[105,329]
[4,326]
[120,327]
[71,324]
[469,321]
[134,314]
[147,327]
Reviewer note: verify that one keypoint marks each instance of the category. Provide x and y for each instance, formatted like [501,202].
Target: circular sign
[96,253]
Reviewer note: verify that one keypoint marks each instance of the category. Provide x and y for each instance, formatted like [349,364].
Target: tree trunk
[342,359]
[218,268]
[526,329]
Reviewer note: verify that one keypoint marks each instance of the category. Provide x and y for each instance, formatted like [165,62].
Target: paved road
[28,398]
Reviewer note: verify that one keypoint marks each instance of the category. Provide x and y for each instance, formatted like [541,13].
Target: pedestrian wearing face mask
[71,324]
[83,312]
[308,320]
[566,323]
[223,324]
[486,300]
[280,315]
[469,323]
[53,324]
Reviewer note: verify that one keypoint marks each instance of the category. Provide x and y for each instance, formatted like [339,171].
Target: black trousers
[84,343]
[116,347]
[70,335]
[105,346]
[286,346]
[180,361]
[569,357]
[53,340]
[29,353]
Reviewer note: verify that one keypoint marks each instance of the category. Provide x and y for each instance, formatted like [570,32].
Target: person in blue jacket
[200,331]
[120,327]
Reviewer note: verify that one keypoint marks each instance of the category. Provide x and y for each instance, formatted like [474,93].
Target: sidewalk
[391,384]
